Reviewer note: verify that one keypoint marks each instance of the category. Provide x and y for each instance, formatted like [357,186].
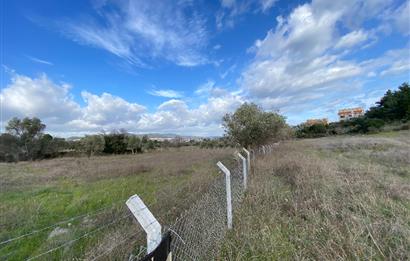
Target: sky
[178,66]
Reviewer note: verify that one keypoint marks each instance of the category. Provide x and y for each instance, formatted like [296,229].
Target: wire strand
[78,238]
[90,214]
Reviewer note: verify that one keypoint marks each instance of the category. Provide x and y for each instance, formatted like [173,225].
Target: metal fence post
[244,170]
[248,156]
[228,193]
[148,222]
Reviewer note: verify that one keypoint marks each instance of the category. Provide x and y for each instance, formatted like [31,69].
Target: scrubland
[345,197]
[89,194]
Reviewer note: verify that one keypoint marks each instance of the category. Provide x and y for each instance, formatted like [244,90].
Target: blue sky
[179,66]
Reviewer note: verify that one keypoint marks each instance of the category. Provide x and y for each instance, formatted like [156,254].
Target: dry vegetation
[327,199]
[37,194]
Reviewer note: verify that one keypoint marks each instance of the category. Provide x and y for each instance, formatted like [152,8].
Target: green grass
[35,196]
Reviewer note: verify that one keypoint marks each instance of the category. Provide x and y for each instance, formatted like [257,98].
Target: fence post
[244,170]
[228,193]
[148,222]
[248,156]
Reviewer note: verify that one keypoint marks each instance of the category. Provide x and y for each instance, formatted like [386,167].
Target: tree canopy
[394,105]
[250,126]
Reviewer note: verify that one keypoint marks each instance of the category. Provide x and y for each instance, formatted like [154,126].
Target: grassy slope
[34,195]
[330,198]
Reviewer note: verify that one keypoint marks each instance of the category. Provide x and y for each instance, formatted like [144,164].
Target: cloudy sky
[178,66]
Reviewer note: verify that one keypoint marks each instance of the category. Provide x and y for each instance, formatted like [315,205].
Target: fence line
[197,232]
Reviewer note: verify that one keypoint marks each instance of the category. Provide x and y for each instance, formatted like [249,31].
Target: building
[347,114]
[311,122]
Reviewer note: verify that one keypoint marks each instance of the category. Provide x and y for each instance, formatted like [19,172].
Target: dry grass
[36,194]
[327,199]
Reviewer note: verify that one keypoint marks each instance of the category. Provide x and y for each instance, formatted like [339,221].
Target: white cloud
[302,62]
[231,10]
[40,97]
[217,47]
[37,60]
[267,4]
[55,106]
[106,110]
[397,67]
[166,93]
[305,33]
[401,17]
[351,39]
[140,31]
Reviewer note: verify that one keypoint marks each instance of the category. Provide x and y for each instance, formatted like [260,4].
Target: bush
[311,131]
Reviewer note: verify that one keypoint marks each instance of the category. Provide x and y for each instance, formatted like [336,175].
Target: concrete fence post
[248,156]
[228,193]
[244,170]
[147,221]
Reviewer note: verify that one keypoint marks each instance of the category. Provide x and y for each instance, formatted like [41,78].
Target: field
[326,199]
[345,197]
[89,195]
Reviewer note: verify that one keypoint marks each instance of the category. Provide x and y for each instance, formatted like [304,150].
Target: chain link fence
[197,234]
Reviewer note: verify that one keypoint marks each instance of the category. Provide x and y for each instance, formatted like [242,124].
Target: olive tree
[28,131]
[250,126]
[92,144]
[134,144]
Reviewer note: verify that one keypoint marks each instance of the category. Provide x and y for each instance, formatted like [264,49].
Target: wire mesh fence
[196,234]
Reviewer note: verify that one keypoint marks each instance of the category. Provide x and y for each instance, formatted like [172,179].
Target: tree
[115,143]
[250,126]
[28,131]
[9,148]
[134,144]
[92,144]
[394,105]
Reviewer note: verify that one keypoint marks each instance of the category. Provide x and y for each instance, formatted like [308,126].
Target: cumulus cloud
[302,61]
[140,31]
[176,116]
[54,104]
[40,97]
[107,109]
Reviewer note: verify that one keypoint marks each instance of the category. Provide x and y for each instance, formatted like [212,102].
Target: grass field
[345,197]
[326,199]
[35,195]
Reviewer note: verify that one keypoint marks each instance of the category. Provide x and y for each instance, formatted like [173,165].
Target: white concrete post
[146,220]
[244,170]
[248,156]
[228,193]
